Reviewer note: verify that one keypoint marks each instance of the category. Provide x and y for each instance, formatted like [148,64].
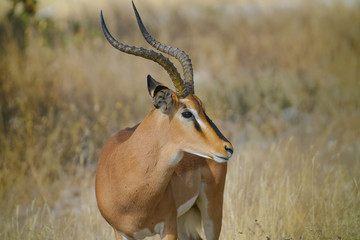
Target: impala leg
[117,235]
[169,237]
[170,232]
[210,201]
[189,224]
[166,207]
[211,217]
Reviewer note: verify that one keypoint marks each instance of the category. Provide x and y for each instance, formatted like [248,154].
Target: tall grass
[282,83]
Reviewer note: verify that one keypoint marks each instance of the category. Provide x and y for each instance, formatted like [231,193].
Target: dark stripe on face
[197,125]
[214,127]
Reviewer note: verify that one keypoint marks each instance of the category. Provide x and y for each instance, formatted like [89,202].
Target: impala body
[165,175]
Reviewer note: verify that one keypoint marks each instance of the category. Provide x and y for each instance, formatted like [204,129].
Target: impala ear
[162,95]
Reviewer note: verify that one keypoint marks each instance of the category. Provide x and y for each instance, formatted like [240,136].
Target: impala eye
[187,114]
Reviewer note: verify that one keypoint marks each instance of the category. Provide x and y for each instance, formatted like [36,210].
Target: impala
[165,175]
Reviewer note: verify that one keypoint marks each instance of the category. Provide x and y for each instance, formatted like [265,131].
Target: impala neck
[152,148]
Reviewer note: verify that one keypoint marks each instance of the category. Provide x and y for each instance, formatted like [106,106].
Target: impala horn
[183,87]
[180,55]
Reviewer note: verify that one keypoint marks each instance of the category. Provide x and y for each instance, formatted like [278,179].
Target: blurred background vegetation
[280,78]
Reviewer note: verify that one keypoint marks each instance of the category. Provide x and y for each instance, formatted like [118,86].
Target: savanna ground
[282,80]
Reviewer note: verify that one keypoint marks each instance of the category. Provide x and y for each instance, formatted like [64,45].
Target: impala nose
[229,149]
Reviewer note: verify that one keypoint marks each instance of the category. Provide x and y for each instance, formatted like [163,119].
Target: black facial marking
[215,128]
[197,125]
[187,114]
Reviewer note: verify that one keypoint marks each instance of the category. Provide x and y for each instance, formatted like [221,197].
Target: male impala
[160,177]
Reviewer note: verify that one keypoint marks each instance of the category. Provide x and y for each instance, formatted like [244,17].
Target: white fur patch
[176,158]
[198,154]
[207,222]
[219,160]
[189,224]
[196,115]
[124,236]
[159,228]
[186,206]
[143,234]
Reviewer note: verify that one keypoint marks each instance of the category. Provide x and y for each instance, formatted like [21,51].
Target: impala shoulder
[117,139]
[123,135]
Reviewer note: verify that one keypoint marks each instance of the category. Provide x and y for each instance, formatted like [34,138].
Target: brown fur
[137,184]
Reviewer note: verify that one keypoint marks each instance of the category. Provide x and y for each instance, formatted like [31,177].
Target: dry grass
[283,83]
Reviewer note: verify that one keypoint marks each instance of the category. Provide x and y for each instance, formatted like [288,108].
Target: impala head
[190,128]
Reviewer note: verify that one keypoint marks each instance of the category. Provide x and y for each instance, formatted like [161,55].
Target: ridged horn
[148,54]
[180,55]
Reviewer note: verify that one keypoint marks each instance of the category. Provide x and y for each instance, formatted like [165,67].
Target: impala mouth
[197,154]
[217,158]
[221,159]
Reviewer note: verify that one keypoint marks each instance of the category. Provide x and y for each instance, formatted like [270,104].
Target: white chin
[219,160]
[198,154]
